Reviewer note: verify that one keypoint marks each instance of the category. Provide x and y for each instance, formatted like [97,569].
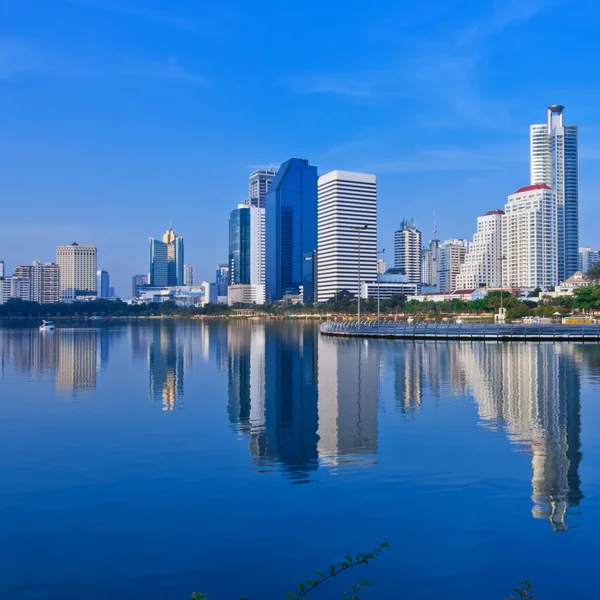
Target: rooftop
[496,211]
[532,188]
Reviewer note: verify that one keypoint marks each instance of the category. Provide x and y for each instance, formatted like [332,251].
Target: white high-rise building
[482,266]
[45,281]
[554,162]
[407,251]
[429,263]
[2,269]
[257,245]
[450,256]
[15,287]
[188,275]
[77,263]
[347,211]
[529,239]
[587,258]
[259,184]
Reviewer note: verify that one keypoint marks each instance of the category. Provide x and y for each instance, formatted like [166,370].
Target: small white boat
[47,326]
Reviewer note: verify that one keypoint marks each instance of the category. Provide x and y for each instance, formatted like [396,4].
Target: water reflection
[305,402]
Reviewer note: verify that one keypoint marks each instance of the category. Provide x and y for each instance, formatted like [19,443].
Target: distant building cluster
[298,238]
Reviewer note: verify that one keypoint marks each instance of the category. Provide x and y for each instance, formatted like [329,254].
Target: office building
[111,292]
[102,283]
[138,282]
[587,258]
[482,266]
[260,182]
[529,238]
[347,213]
[389,284]
[15,287]
[408,251]
[44,279]
[210,295]
[554,162]
[245,294]
[429,263]
[222,278]
[2,269]
[77,264]
[188,275]
[291,231]
[450,256]
[247,246]
[166,260]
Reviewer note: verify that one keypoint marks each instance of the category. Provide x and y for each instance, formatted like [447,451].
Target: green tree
[594,272]
[587,298]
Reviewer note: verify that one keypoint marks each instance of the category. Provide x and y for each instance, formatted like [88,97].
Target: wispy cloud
[163,17]
[332,84]
[169,69]
[453,159]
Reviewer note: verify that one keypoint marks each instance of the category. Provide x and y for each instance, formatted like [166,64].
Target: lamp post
[382,251]
[358,229]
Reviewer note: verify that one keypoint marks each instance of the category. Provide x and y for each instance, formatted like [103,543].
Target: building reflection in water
[300,398]
[532,392]
[166,364]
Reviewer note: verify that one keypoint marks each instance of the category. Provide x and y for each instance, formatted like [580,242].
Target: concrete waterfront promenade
[467,331]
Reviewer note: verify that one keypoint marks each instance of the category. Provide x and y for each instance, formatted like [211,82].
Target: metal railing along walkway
[466,331]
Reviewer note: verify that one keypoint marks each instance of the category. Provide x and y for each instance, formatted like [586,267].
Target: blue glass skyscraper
[166,260]
[239,246]
[291,231]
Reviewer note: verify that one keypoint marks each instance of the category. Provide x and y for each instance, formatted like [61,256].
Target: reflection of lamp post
[500,259]
[378,252]
[358,229]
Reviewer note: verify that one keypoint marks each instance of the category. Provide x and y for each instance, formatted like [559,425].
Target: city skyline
[177,134]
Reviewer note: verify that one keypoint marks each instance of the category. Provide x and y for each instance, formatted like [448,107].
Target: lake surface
[152,460]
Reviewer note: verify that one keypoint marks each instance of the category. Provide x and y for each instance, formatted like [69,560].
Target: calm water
[149,461]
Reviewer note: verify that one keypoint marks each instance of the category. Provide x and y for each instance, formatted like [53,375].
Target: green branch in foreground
[335,570]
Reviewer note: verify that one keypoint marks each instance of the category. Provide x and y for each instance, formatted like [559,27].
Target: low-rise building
[391,283]
[567,287]
[463,295]
[245,294]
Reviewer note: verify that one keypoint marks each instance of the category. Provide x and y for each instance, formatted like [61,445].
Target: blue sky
[118,117]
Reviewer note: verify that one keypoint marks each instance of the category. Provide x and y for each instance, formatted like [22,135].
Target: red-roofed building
[530,238]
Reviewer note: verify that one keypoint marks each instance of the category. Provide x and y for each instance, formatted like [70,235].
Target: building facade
[245,294]
[482,266]
[554,162]
[44,280]
[529,238]
[247,246]
[450,256]
[166,260]
[222,279]
[78,266]
[137,283]
[259,184]
[408,250]
[103,283]
[2,269]
[347,212]
[15,287]
[291,231]
[587,258]
[429,263]
[188,275]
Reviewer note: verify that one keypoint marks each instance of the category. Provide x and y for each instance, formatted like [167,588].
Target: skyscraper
[188,275]
[246,246]
[259,184]
[45,281]
[554,162]
[529,238]
[2,269]
[450,256]
[482,264]
[103,283]
[347,209]
[222,278]
[166,260]
[137,282]
[407,250]
[587,258]
[291,231]
[77,263]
